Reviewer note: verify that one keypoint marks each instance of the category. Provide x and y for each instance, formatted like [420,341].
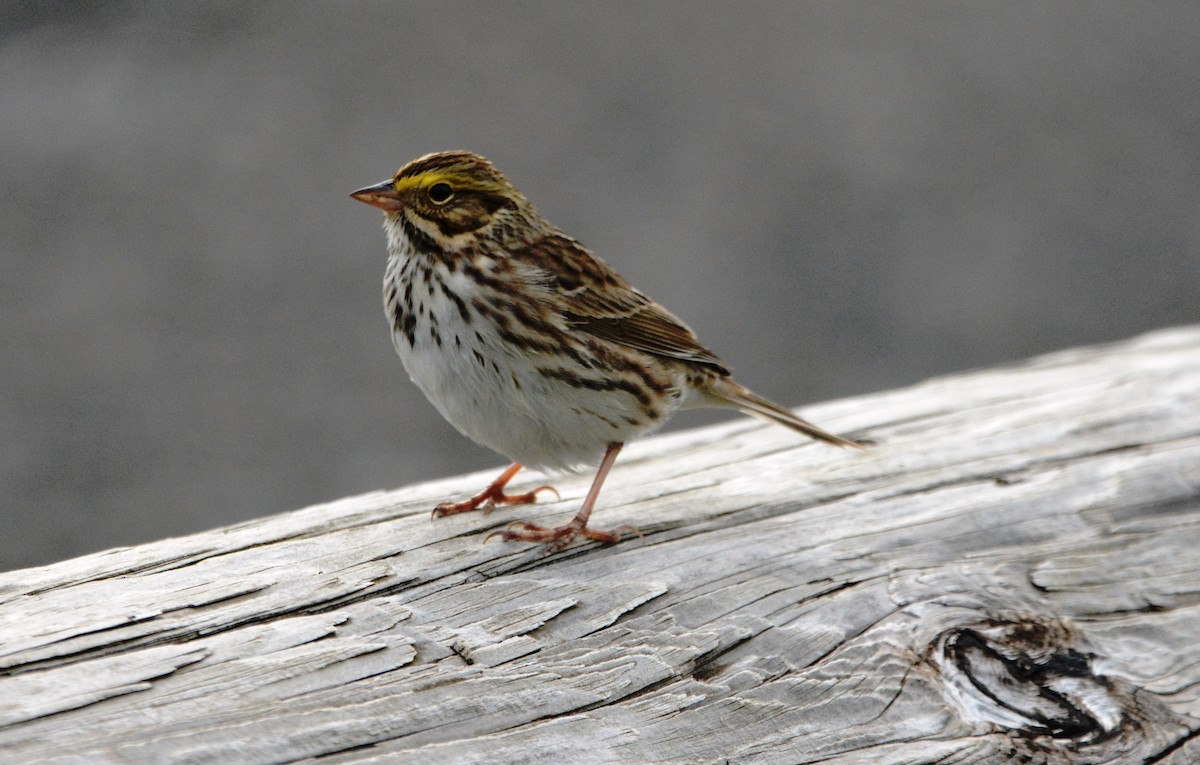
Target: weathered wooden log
[1012,573]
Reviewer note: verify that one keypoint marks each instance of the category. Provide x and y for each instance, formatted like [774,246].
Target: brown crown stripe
[444,160]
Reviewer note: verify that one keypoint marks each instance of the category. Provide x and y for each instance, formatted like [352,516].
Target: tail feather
[752,403]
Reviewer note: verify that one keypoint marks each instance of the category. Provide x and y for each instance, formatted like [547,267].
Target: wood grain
[1011,573]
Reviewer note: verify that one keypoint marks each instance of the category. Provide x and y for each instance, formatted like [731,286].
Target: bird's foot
[558,537]
[487,500]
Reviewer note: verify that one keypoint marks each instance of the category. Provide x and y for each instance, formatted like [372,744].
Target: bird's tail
[750,402]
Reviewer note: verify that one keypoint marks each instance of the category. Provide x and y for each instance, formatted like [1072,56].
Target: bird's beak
[381,195]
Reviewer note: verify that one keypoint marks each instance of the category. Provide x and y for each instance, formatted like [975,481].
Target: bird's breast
[541,397]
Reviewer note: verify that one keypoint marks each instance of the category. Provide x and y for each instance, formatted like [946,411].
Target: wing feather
[595,299]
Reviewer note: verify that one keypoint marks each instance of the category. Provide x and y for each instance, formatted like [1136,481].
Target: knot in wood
[1027,677]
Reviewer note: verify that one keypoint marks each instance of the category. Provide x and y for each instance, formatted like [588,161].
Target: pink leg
[559,537]
[493,495]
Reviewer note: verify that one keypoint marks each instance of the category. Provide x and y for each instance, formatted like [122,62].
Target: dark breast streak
[579,362]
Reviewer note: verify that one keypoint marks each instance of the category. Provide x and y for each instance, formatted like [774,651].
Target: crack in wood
[1006,575]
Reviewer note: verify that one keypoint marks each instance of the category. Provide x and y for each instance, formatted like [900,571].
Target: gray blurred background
[838,197]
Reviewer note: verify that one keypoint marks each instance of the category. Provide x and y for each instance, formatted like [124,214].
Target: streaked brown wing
[648,327]
[595,299]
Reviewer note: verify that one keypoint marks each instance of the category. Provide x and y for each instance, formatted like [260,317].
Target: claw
[493,495]
[558,537]
[557,496]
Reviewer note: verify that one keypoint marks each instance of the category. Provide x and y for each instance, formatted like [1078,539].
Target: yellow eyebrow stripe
[427,179]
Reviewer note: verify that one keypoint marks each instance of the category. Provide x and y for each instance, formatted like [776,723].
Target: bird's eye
[440,193]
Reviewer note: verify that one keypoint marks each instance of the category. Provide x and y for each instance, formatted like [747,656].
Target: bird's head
[449,196]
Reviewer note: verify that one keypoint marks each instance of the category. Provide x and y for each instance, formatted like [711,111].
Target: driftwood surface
[1012,573]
